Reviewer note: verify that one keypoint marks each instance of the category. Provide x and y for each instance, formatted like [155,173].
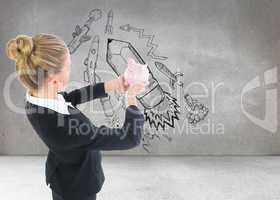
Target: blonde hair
[36,57]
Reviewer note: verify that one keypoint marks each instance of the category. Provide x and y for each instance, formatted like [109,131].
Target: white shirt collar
[59,105]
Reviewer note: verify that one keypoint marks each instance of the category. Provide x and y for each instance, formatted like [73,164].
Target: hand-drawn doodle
[109,112]
[165,114]
[117,56]
[160,108]
[80,35]
[149,136]
[173,77]
[91,61]
[121,98]
[141,35]
[196,111]
[94,15]
[109,24]
[92,77]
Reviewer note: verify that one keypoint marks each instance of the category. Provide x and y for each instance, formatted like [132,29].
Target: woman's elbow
[135,129]
[136,141]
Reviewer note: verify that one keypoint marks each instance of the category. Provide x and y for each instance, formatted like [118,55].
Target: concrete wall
[227,49]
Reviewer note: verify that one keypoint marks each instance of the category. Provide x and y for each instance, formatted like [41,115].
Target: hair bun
[20,47]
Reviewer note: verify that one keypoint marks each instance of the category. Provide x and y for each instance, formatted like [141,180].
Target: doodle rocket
[161,109]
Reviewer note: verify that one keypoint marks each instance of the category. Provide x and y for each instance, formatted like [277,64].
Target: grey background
[211,41]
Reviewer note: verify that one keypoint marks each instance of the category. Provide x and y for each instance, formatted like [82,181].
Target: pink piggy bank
[136,72]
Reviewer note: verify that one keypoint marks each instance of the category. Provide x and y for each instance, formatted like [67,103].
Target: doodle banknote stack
[161,108]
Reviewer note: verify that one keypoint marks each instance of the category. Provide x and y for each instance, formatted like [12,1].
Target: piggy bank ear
[130,61]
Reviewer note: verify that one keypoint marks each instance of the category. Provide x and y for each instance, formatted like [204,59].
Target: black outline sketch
[153,114]
[141,35]
[121,98]
[92,77]
[196,111]
[110,114]
[91,61]
[149,136]
[94,15]
[80,35]
[157,118]
[153,86]
[109,24]
[173,77]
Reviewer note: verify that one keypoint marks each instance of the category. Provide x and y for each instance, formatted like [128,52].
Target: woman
[73,166]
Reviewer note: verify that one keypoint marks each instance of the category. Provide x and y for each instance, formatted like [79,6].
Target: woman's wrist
[112,85]
[131,100]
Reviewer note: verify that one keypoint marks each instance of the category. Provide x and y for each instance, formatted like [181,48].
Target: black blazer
[73,166]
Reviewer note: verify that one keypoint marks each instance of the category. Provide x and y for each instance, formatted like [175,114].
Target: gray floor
[156,178]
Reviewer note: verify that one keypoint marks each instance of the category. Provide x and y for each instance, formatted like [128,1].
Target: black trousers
[56,196]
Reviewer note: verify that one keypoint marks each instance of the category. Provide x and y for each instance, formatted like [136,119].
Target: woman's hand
[122,84]
[119,84]
[136,89]
[133,91]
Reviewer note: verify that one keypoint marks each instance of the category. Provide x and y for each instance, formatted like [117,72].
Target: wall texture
[212,60]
